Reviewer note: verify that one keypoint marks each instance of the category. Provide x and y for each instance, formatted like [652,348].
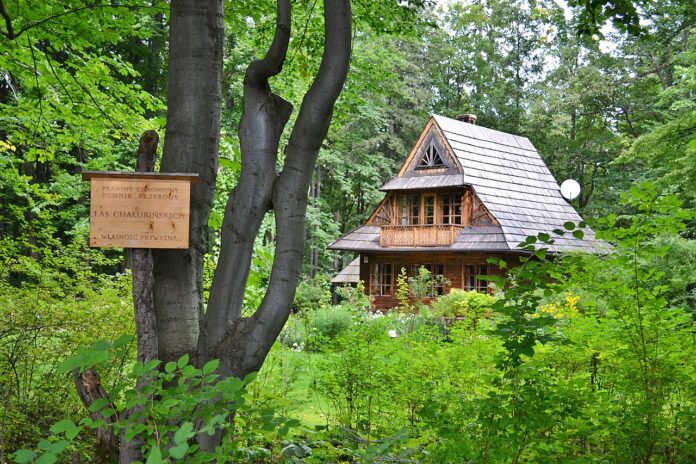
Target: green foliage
[460,303]
[166,410]
[312,293]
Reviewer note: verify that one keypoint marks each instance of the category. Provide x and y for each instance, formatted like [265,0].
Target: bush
[461,303]
[311,329]
[312,293]
[330,322]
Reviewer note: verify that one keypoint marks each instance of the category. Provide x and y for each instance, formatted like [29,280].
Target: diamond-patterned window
[431,159]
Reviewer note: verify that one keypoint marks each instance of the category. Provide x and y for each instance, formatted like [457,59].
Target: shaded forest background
[610,109]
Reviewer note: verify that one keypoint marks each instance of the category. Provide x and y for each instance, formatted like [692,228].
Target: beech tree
[219,331]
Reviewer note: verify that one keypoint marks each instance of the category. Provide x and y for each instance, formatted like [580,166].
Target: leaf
[122,341]
[184,433]
[23,456]
[70,363]
[47,458]
[579,234]
[210,366]
[183,360]
[65,426]
[170,367]
[692,144]
[179,451]
[569,225]
[98,404]
[155,456]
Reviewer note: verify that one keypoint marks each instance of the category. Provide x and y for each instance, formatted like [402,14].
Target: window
[452,208]
[428,209]
[382,279]
[474,277]
[431,159]
[409,210]
[436,285]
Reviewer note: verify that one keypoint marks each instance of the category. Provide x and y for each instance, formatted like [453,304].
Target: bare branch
[260,70]
[8,21]
[12,35]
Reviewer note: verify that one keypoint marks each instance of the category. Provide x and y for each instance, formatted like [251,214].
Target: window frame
[377,275]
[471,281]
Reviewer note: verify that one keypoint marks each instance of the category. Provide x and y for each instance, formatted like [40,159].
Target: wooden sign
[139,210]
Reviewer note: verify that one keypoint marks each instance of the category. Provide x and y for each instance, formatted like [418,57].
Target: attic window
[431,159]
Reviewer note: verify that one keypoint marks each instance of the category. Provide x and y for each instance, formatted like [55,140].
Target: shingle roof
[424,182]
[366,238]
[512,181]
[350,274]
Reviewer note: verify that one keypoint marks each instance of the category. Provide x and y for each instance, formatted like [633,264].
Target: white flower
[392,333]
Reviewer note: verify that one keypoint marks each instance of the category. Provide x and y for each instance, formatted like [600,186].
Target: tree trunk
[243,343]
[191,145]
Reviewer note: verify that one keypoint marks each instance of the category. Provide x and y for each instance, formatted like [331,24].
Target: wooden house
[465,193]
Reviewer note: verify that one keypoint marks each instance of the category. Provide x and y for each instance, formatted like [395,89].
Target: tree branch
[272,63]
[10,34]
[263,120]
[290,193]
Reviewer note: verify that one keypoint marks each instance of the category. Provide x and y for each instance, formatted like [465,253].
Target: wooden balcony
[439,235]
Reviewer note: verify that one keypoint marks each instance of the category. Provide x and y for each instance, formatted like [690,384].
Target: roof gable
[430,156]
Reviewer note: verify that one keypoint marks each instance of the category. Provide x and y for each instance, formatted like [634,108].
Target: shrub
[461,303]
[330,322]
[311,329]
[312,293]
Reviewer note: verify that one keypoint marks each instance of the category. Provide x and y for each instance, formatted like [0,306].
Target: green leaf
[569,225]
[178,451]
[210,366]
[122,341]
[98,404]
[155,456]
[184,433]
[47,458]
[170,367]
[189,371]
[579,234]
[183,361]
[63,426]
[692,144]
[23,456]
[70,363]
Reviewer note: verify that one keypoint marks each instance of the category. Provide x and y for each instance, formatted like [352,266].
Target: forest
[586,358]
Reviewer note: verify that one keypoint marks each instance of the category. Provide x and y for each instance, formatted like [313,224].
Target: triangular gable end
[430,155]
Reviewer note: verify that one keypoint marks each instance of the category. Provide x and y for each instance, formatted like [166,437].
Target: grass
[289,377]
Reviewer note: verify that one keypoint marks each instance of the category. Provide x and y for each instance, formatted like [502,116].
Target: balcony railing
[418,236]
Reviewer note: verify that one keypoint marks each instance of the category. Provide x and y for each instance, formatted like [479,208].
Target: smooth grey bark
[191,145]
[242,344]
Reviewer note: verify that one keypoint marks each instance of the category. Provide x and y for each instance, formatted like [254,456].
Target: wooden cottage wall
[453,262]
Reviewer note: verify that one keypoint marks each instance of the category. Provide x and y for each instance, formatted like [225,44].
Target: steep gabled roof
[514,183]
[506,173]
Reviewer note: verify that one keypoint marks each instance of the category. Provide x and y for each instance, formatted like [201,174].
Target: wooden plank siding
[453,269]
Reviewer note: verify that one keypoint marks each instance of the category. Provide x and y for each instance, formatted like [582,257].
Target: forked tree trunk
[191,145]
[242,344]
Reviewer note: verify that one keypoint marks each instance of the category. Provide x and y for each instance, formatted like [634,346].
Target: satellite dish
[570,189]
